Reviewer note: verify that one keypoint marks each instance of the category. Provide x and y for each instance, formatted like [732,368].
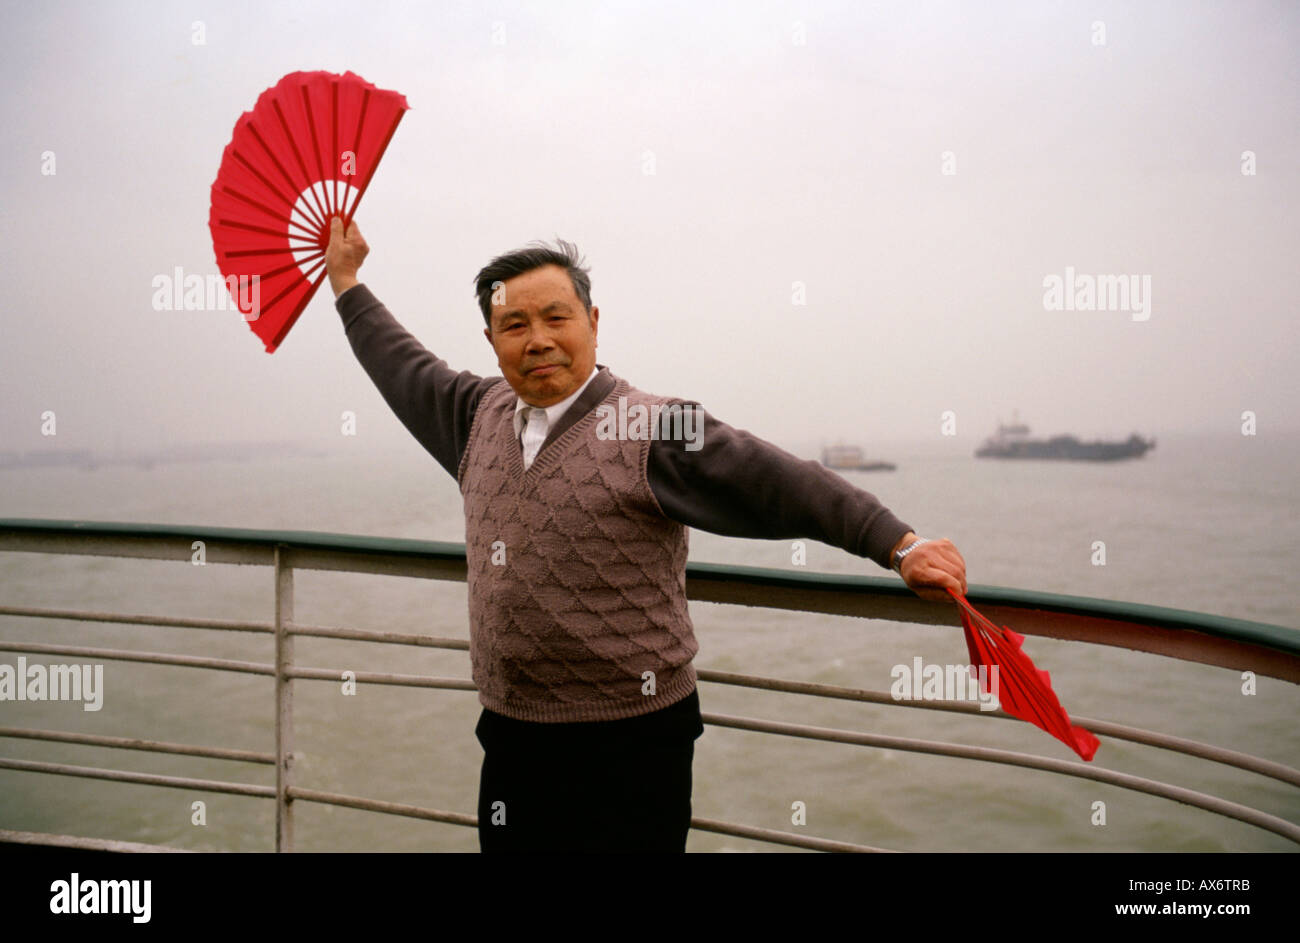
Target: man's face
[544,341]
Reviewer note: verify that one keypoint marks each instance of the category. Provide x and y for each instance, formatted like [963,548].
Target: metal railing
[1264,649]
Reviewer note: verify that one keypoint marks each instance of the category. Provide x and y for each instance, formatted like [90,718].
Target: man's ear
[595,316]
[487,332]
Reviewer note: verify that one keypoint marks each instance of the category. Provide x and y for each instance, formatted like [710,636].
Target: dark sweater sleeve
[433,401]
[739,485]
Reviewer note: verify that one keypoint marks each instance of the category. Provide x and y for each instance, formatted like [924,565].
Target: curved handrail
[1105,728]
[1271,649]
[710,580]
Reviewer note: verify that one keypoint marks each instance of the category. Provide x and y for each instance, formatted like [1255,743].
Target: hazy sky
[791,142]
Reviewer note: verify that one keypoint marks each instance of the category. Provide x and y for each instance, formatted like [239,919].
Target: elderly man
[581,644]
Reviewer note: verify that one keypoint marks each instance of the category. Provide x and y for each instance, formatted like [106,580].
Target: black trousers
[608,786]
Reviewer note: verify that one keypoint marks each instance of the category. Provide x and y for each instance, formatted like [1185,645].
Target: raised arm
[433,401]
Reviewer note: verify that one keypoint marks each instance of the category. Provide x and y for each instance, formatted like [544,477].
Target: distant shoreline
[90,459]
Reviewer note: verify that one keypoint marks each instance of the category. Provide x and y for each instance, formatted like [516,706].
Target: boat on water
[850,458]
[1014,441]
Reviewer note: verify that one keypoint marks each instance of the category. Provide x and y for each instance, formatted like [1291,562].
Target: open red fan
[306,152]
[1023,690]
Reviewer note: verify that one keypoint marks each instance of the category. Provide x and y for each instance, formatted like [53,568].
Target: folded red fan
[306,152]
[1023,690]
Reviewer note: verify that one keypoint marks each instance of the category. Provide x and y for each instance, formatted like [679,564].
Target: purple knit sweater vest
[577,579]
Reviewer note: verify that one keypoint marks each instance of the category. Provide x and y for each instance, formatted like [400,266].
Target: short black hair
[534,255]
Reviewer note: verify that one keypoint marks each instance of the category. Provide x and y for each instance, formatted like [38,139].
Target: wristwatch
[897,562]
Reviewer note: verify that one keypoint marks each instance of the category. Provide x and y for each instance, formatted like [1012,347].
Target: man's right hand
[344,255]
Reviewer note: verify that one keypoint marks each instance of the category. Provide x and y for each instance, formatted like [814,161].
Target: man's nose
[539,339]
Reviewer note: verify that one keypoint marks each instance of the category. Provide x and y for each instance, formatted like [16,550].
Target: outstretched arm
[740,485]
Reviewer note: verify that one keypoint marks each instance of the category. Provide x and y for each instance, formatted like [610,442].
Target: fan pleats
[305,153]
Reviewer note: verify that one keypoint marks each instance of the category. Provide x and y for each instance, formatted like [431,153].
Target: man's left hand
[932,568]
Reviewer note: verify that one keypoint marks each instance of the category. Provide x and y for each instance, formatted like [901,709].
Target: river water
[1201,524]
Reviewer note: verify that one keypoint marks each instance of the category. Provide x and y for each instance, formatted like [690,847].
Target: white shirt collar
[553,413]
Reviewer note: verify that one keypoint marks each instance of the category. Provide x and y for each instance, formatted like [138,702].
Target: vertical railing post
[283,701]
